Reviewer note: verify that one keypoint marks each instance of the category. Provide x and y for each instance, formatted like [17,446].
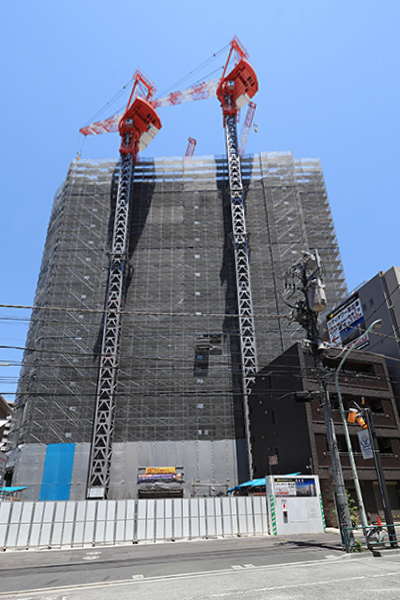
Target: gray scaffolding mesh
[180,373]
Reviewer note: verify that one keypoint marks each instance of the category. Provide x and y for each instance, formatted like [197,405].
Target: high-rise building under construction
[179,392]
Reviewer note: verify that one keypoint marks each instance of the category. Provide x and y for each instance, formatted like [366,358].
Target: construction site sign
[159,470]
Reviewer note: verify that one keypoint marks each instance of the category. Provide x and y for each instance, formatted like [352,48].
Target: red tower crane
[138,126]
[237,86]
[190,147]
[199,91]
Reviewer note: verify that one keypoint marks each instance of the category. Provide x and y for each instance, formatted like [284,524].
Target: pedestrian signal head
[355,416]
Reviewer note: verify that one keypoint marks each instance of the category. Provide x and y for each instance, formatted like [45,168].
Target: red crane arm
[190,147]
[246,127]
[199,91]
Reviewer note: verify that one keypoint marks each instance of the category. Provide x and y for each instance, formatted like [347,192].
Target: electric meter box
[294,505]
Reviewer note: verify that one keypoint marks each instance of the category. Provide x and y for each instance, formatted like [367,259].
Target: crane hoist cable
[194,71]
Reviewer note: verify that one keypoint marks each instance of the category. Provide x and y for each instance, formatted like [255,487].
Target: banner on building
[346,325]
[160,477]
[158,470]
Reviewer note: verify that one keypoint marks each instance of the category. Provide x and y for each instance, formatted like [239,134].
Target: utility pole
[305,277]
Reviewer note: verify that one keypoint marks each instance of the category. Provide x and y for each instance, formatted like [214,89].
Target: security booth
[294,505]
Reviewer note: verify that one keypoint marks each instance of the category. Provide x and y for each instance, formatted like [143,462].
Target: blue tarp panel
[57,472]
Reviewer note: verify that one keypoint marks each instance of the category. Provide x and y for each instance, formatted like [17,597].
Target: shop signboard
[346,325]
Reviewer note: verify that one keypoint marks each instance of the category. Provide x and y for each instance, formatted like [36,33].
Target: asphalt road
[246,568]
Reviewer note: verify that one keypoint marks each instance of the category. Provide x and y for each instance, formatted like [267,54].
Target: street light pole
[364,521]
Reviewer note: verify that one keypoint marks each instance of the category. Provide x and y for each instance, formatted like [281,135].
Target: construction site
[159,299]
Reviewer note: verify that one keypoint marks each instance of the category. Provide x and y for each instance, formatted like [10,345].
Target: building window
[375,404]
[342,445]
[207,344]
[385,445]
[201,359]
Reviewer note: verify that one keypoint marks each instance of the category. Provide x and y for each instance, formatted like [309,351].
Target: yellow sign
[156,470]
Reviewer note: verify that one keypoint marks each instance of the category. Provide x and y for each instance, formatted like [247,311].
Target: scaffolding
[180,371]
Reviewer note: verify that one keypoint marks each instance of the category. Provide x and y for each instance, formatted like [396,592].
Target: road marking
[186,576]
[297,585]
[91,555]
[177,576]
[238,567]
[137,576]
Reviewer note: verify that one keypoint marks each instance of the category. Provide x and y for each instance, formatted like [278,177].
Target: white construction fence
[106,522]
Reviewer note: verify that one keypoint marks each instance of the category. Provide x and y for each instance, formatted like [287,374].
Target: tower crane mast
[234,91]
[137,127]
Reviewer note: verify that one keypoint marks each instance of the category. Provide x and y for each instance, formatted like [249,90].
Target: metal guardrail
[356,539]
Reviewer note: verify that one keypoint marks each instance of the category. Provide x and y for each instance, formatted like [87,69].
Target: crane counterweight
[139,125]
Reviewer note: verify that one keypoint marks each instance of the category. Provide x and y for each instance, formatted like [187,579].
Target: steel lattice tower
[243,283]
[99,474]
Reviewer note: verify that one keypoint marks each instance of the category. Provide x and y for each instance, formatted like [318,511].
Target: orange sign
[156,470]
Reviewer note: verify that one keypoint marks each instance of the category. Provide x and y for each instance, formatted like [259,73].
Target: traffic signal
[355,416]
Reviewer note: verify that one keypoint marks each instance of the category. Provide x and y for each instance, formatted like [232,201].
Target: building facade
[179,396]
[379,298]
[295,431]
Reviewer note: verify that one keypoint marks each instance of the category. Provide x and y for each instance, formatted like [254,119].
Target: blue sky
[329,88]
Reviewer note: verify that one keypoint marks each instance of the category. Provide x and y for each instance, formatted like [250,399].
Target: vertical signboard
[346,325]
[295,505]
[365,444]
